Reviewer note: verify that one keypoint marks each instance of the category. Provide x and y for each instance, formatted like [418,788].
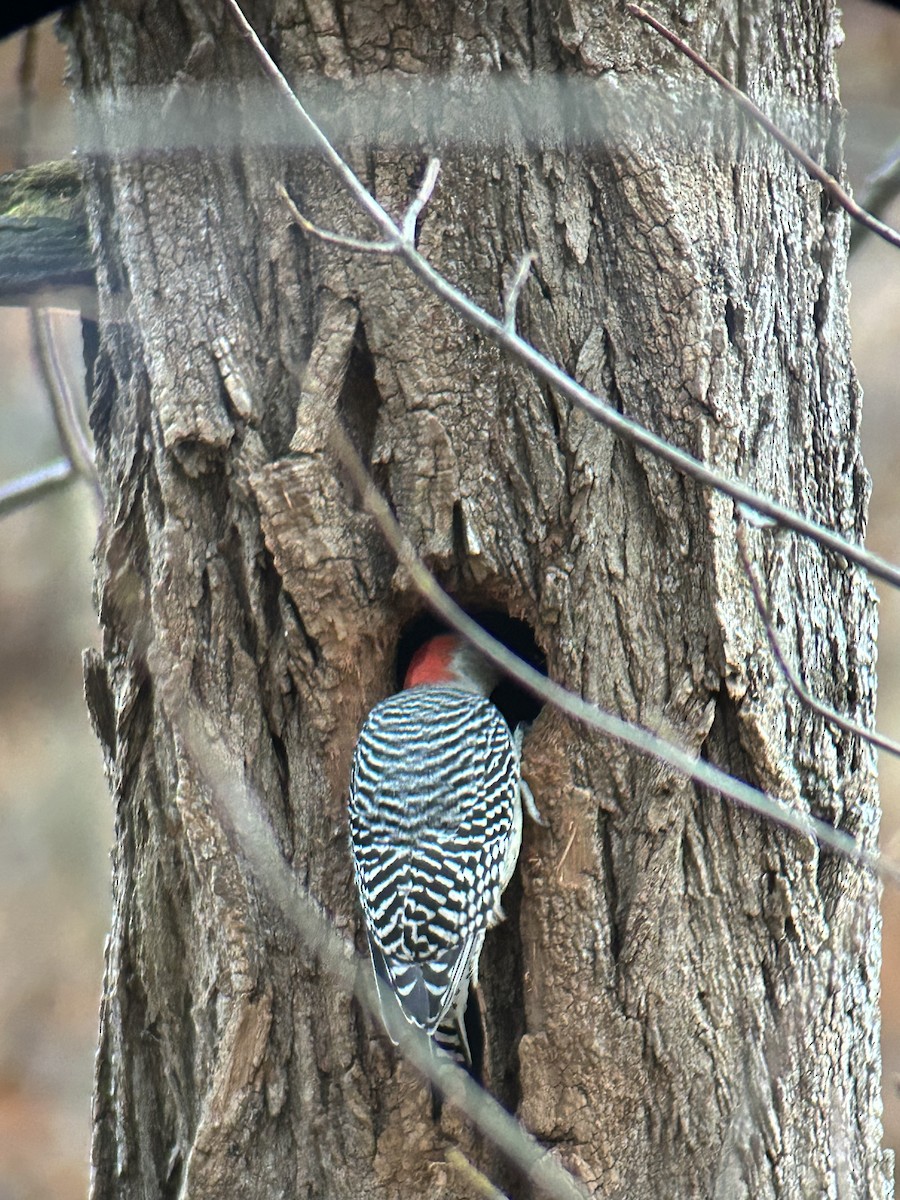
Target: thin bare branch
[600,409]
[422,197]
[631,430]
[479,1182]
[881,741]
[837,193]
[355,186]
[641,740]
[884,187]
[62,401]
[334,239]
[258,847]
[644,741]
[511,299]
[34,486]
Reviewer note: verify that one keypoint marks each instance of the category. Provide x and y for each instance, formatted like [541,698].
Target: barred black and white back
[435,831]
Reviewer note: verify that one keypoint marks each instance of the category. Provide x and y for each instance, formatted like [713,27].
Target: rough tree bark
[695,990]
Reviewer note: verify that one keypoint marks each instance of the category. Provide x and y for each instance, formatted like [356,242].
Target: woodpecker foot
[530,807]
[524,790]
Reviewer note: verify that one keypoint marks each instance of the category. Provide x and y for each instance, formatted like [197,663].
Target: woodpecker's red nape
[433,662]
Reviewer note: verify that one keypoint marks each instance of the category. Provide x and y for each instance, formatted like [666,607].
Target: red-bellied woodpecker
[435,829]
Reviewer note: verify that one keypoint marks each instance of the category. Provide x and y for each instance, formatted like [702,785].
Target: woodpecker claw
[530,806]
[522,728]
[524,790]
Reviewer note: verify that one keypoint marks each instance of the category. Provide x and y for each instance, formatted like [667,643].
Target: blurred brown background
[55,815]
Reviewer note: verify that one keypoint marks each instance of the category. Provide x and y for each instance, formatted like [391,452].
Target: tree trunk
[683,1000]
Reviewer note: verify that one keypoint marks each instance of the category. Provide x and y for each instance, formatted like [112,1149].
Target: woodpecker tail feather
[432,995]
[452,1039]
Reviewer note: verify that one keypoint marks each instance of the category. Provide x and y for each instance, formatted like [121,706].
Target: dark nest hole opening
[495,1017]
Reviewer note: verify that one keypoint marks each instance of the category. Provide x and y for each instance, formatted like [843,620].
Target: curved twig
[641,740]
[879,740]
[62,401]
[34,486]
[838,194]
[884,187]
[600,409]
[644,741]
